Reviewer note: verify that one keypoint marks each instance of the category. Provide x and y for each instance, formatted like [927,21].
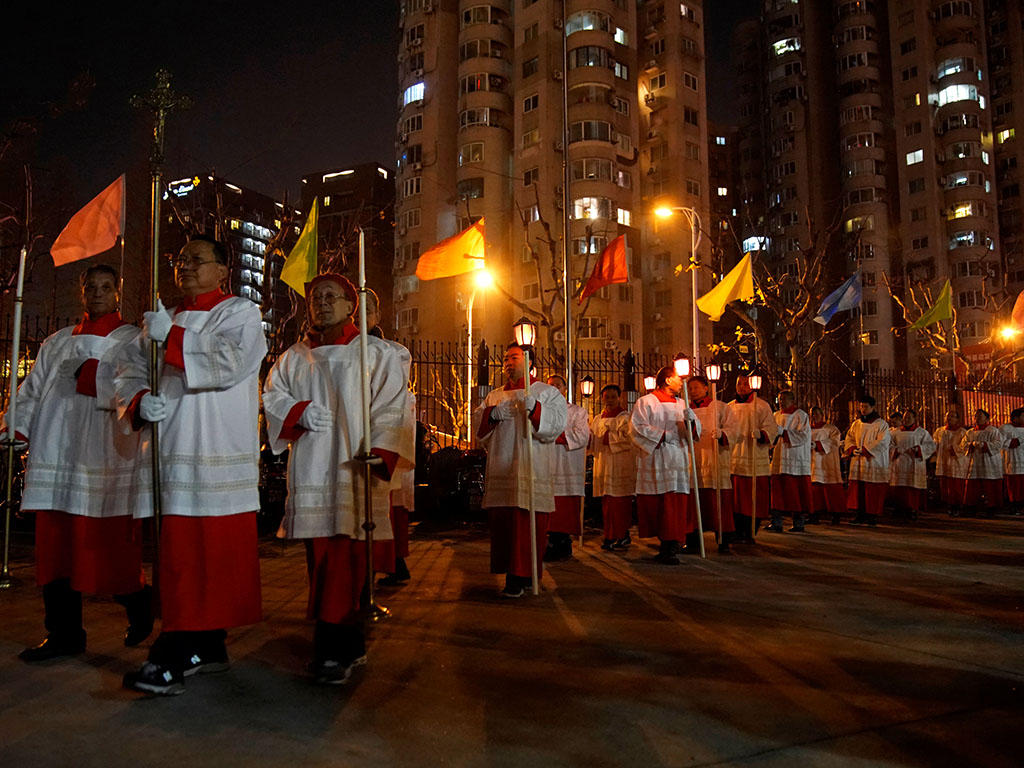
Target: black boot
[692,543]
[63,622]
[798,523]
[776,524]
[723,544]
[139,607]
[667,553]
[607,544]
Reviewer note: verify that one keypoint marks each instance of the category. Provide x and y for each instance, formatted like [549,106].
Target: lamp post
[695,237]
[755,384]
[525,335]
[650,382]
[482,279]
[682,368]
[713,372]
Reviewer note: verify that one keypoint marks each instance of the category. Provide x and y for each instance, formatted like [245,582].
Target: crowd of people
[110,445]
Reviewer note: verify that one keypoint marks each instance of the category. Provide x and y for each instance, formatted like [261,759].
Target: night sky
[277,95]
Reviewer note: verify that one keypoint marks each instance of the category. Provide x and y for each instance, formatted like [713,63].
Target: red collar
[664,397]
[204,302]
[348,333]
[520,383]
[101,326]
[789,409]
[911,428]
[606,414]
[819,425]
[701,403]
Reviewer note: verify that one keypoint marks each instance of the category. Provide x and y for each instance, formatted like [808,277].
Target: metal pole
[753,485]
[534,578]
[6,580]
[567,287]
[373,611]
[696,484]
[718,482]
[469,369]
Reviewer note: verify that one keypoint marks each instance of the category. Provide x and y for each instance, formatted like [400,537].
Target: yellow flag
[300,266]
[455,255]
[737,285]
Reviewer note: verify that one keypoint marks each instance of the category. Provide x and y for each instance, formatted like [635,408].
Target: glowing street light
[587,386]
[682,365]
[755,381]
[483,278]
[713,372]
[1009,332]
[693,218]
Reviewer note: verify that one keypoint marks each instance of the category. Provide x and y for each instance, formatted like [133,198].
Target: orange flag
[611,267]
[454,255]
[93,229]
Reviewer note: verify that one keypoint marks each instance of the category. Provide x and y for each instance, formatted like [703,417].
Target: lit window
[954,93]
[723,191]
[720,141]
[1005,135]
[413,93]
[786,45]
[755,244]
[917,156]
[624,216]
[327,200]
[621,37]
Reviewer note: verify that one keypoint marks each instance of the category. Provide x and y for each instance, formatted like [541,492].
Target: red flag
[1017,316]
[93,229]
[610,268]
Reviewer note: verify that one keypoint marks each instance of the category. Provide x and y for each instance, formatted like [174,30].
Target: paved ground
[899,646]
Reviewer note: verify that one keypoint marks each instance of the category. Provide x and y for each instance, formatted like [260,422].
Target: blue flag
[846,296]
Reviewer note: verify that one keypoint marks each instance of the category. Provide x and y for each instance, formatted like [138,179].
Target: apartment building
[518,110]
[889,115]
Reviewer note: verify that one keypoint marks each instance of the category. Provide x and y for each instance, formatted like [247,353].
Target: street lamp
[482,280]
[693,218]
[650,382]
[1008,332]
[525,332]
[714,374]
[587,386]
[754,380]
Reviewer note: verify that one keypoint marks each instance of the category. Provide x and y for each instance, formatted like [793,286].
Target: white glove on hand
[19,445]
[153,407]
[503,411]
[716,434]
[156,325]
[68,369]
[755,435]
[529,403]
[316,418]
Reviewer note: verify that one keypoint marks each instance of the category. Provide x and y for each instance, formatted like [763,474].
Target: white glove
[503,411]
[316,418]
[716,434]
[19,445]
[156,325]
[529,403]
[68,369]
[755,435]
[153,407]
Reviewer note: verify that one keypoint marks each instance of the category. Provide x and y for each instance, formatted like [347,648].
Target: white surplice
[950,458]
[326,486]
[507,481]
[986,460]
[569,461]
[825,463]
[716,415]
[209,441]
[794,457]
[873,438]
[750,457]
[614,460]
[906,468]
[664,465]
[1013,458]
[81,454]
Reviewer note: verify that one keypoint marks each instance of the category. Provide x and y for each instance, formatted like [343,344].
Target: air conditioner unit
[559,335]
[652,134]
[557,143]
[651,64]
[417,72]
[416,166]
[399,264]
[652,170]
[658,279]
[609,344]
[402,231]
[399,296]
[558,23]
[557,74]
[403,137]
[649,98]
[428,8]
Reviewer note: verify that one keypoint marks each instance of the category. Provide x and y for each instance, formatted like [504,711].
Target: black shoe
[836,519]
[331,672]
[797,529]
[872,521]
[552,553]
[608,545]
[723,548]
[622,544]
[138,606]
[53,648]
[153,678]
[512,592]
[391,580]
[206,663]
[859,519]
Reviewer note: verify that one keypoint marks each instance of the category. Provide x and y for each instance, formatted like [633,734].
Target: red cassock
[742,489]
[791,493]
[830,498]
[617,512]
[709,511]
[669,516]
[99,555]
[866,497]
[566,517]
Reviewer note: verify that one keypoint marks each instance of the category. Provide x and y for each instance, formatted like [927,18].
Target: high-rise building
[898,117]
[481,135]
[353,198]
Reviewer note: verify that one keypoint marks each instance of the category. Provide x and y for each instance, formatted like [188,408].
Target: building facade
[503,105]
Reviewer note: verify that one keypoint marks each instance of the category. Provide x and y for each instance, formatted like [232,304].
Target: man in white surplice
[79,474]
[210,350]
[504,421]
[313,401]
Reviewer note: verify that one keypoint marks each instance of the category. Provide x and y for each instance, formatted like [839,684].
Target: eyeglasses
[193,263]
[326,298]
